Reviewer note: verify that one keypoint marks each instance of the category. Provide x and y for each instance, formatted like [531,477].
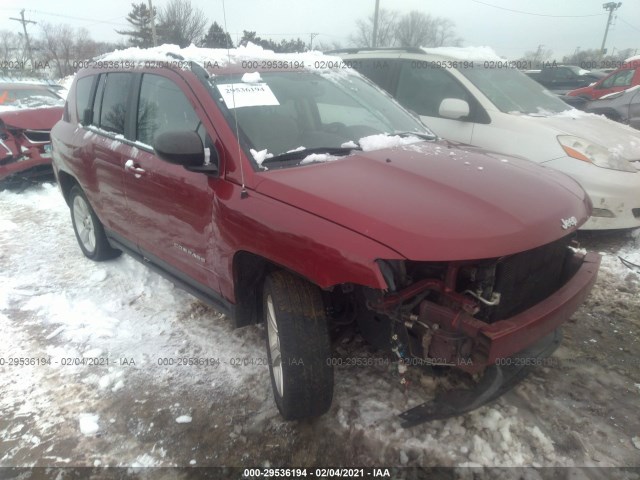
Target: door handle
[130,167]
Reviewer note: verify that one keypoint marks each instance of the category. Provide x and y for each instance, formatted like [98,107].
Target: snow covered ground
[141,410]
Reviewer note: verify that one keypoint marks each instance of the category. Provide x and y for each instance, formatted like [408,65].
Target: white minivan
[471,95]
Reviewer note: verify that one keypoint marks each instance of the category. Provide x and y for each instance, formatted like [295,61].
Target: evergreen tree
[216,37]
[140,20]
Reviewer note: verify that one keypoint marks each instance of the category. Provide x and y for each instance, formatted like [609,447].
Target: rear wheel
[88,228]
[298,346]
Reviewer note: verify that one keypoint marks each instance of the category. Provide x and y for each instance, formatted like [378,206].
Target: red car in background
[27,114]
[627,76]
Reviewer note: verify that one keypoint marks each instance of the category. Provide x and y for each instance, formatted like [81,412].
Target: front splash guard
[497,380]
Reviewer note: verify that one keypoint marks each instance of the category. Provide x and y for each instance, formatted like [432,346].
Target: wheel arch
[66,182]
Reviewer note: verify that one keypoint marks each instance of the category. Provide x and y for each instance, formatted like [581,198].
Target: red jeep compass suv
[289,190]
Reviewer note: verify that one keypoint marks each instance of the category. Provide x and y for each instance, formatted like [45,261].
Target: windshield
[28,97]
[279,112]
[510,90]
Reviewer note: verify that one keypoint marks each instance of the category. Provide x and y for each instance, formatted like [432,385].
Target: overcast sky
[509,33]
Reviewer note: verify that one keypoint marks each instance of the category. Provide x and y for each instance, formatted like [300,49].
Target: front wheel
[298,346]
[88,228]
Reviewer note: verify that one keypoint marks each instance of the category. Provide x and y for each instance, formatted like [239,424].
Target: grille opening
[38,136]
[527,278]
[636,212]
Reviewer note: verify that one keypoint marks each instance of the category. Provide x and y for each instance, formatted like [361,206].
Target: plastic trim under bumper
[497,380]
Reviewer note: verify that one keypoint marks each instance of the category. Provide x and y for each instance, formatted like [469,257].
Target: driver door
[172,209]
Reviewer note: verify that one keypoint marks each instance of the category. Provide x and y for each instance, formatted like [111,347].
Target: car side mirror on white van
[453,108]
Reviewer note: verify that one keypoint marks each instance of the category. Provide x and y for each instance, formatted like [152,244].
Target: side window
[376,70]
[623,79]
[83,92]
[620,79]
[563,73]
[114,102]
[98,100]
[163,107]
[422,89]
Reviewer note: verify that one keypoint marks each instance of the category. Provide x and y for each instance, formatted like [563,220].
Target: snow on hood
[173,55]
[465,53]
[617,138]
[378,142]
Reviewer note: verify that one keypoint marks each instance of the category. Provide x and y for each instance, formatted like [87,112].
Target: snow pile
[260,156]
[465,53]
[319,157]
[183,419]
[88,423]
[381,141]
[173,55]
[253,77]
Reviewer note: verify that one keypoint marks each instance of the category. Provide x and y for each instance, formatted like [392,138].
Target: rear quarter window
[83,96]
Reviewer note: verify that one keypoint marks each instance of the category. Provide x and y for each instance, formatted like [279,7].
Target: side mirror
[186,149]
[453,108]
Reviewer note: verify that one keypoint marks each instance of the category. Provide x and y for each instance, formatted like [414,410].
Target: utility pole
[312,36]
[153,25]
[538,53]
[26,35]
[612,7]
[374,39]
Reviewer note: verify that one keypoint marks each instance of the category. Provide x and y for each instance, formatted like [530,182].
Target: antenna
[243,192]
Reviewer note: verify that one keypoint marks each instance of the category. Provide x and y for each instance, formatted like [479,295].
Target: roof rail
[371,49]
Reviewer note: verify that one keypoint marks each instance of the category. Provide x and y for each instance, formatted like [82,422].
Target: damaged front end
[474,314]
[24,153]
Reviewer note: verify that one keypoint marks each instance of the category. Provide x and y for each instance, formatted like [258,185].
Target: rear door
[103,151]
[172,209]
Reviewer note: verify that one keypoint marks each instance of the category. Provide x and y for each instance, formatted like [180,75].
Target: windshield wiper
[301,154]
[424,136]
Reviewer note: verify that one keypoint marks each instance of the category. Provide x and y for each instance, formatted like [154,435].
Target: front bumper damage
[497,379]
[447,333]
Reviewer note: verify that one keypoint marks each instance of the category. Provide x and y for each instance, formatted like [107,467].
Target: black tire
[88,228]
[306,386]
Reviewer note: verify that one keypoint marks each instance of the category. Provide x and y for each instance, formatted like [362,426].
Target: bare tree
[326,46]
[413,29]
[181,23]
[387,24]
[56,45]
[416,29]
[10,47]
[537,57]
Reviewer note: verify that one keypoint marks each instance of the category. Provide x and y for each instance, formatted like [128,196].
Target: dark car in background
[561,79]
[27,114]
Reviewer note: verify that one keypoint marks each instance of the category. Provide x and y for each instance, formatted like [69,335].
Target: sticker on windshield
[247,95]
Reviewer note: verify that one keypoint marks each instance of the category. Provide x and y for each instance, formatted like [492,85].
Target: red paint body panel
[328,222]
[428,205]
[596,91]
[32,118]
[28,154]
